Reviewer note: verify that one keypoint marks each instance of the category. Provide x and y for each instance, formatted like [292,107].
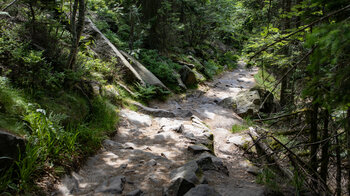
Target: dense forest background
[61,91]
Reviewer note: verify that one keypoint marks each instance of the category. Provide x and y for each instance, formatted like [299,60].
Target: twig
[277,117]
[9,5]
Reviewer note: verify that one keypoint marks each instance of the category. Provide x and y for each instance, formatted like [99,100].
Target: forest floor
[146,149]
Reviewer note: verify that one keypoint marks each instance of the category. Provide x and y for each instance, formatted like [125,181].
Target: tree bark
[313,141]
[338,163]
[325,148]
[76,30]
[347,129]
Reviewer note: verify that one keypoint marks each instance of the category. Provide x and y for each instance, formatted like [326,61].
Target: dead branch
[303,164]
[281,116]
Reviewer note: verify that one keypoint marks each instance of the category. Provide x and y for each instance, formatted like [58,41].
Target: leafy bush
[26,66]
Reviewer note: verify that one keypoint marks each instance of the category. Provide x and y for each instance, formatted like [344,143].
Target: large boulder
[269,105]
[228,102]
[188,76]
[10,147]
[248,103]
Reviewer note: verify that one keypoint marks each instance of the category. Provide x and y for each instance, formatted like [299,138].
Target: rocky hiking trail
[180,147]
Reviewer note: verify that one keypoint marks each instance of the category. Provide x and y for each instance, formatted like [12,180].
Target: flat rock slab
[134,118]
[202,190]
[114,185]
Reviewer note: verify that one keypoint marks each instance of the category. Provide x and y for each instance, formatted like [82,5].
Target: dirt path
[145,151]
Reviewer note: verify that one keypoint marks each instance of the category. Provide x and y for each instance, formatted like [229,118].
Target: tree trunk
[283,94]
[325,148]
[76,30]
[338,176]
[313,140]
[347,128]
[150,15]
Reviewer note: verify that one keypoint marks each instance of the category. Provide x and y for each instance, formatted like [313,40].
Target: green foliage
[148,92]
[236,128]
[267,81]
[160,66]
[329,65]
[230,59]
[211,68]
[26,66]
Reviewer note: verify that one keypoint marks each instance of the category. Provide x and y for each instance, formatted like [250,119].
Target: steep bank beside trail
[168,155]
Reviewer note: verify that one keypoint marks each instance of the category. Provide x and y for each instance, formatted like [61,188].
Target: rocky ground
[182,148]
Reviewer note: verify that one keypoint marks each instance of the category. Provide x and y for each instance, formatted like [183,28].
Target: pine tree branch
[300,30]
[280,80]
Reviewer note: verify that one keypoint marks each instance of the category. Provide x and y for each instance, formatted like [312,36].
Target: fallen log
[145,74]
[107,49]
[269,152]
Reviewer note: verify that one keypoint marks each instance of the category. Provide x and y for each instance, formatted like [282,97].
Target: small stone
[136,192]
[123,166]
[148,148]
[129,145]
[253,170]
[153,179]
[152,162]
[129,171]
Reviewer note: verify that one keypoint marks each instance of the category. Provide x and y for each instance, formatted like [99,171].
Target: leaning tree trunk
[76,30]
